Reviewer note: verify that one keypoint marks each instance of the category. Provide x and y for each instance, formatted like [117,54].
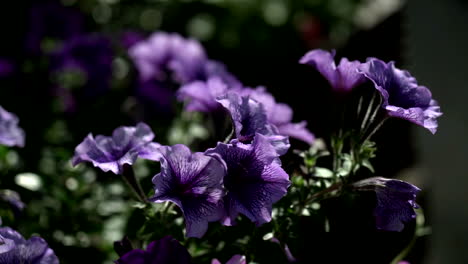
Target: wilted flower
[15,249]
[254,179]
[194,183]
[280,115]
[402,96]
[201,96]
[236,259]
[395,201]
[249,117]
[10,133]
[123,147]
[167,250]
[342,78]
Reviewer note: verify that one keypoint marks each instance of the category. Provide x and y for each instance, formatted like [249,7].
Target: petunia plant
[254,195]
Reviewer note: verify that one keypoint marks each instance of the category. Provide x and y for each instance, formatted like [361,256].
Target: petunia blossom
[124,146]
[201,96]
[342,78]
[10,133]
[254,179]
[236,259]
[395,201]
[249,117]
[165,61]
[280,115]
[193,181]
[15,249]
[163,251]
[401,94]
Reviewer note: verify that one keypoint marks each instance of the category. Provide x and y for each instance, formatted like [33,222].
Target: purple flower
[10,133]
[249,117]
[123,147]
[402,96]
[280,115]
[395,201]
[254,179]
[201,96]
[164,53]
[51,21]
[236,259]
[342,78]
[15,249]
[167,250]
[165,61]
[194,183]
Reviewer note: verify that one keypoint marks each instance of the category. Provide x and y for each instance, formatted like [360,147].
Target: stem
[375,129]
[129,177]
[374,114]
[366,117]
[405,251]
[324,191]
[359,106]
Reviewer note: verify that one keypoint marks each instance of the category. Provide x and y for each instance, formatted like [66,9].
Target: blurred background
[65,71]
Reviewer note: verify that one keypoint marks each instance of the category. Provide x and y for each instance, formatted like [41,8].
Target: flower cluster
[167,60]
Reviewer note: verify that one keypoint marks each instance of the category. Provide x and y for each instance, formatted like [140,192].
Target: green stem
[376,128]
[369,108]
[322,192]
[405,251]
[129,177]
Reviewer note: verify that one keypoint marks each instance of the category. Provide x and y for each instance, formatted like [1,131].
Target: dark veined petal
[396,201]
[34,250]
[342,78]
[193,181]
[402,96]
[124,146]
[254,179]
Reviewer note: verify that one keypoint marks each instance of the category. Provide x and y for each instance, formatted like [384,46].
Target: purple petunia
[167,60]
[15,249]
[342,78]
[395,201]
[280,115]
[10,133]
[123,147]
[249,117]
[254,179]
[201,96]
[402,96]
[193,181]
[167,250]
[163,52]
[236,259]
